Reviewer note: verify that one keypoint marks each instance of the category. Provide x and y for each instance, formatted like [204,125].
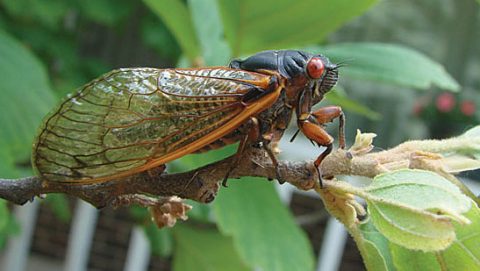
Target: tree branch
[202,184]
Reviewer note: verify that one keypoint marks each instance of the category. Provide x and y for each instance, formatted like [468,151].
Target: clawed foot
[224,182]
[321,177]
[278,176]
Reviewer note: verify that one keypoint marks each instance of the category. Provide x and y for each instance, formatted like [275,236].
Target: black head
[320,73]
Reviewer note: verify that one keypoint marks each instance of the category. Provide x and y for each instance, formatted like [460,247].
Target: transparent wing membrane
[126,120]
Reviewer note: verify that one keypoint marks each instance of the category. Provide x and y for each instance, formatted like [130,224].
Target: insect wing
[131,120]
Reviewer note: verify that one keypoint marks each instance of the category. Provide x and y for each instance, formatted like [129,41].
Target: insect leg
[310,125]
[271,154]
[328,114]
[156,171]
[314,132]
[252,135]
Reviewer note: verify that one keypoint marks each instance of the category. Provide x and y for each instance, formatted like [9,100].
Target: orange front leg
[317,134]
[321,137]
[310,125]
[328,114]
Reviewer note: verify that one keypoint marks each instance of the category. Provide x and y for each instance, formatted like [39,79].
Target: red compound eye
[315,68]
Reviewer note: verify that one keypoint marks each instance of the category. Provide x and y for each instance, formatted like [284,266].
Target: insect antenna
[294,135]
[343,63]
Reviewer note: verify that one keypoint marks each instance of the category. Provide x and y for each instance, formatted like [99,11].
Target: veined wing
[131,120]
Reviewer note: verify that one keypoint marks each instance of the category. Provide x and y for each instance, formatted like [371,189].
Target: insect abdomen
[231,138]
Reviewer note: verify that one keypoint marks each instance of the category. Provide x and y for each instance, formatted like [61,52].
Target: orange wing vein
[131,120]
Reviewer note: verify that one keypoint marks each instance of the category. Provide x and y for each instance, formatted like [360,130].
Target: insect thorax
[272,122]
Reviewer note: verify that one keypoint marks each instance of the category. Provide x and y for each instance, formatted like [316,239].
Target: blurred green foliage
[206,249]
[263,231]
[50,48]
[31,90]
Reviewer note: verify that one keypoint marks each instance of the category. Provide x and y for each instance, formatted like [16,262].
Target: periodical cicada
[132,120]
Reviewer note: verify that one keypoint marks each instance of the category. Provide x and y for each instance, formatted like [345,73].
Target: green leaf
[193,161]
[48,13]
[8,225]
[175,15]
[200,211]
[4,215]
[472,132]
[208,26]
[140,214]
[252,25]
[420,189]
[156,35]
[374,260]
[25,97]
[204,249]
[406,260]
[473,135]
[161,240]
[390,63]
[414,208]
[460,153]
[262,228]
[377,255]
[413,230]
[351,105]
[107,12]
[464,253]
[457,163]
[59,205]
[7,164]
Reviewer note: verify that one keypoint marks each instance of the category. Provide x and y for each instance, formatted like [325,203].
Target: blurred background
[412,72]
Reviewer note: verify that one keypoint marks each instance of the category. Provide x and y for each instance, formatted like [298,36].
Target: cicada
[137,119]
